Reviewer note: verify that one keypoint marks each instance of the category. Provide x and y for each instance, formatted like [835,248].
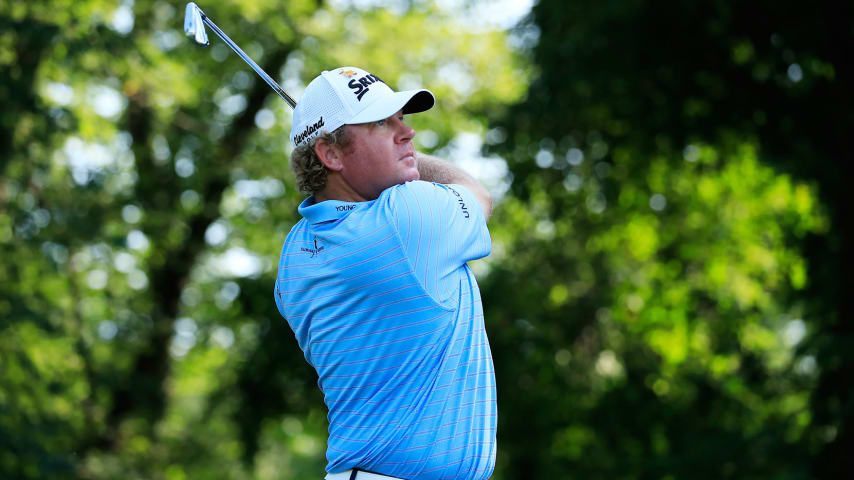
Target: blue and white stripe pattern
[386,309]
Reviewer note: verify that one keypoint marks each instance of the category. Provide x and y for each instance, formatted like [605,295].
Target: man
[374,283]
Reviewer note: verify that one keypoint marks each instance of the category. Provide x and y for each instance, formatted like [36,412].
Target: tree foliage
[664,294]
[682,240]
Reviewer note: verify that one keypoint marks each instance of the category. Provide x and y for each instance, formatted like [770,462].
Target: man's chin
[411,176]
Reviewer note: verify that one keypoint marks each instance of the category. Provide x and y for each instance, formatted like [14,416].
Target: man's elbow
[486,203]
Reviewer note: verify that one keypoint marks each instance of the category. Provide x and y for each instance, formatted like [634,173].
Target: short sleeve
[441,227]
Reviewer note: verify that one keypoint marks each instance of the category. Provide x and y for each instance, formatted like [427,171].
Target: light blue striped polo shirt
[387,311]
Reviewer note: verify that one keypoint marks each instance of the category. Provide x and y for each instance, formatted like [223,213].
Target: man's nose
[405,133]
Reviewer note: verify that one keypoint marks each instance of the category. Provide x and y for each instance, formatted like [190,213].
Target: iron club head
[194,26]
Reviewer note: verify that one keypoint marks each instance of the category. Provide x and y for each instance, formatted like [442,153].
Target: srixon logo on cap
[360,85]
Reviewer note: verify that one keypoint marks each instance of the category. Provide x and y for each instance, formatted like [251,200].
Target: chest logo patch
[313,251]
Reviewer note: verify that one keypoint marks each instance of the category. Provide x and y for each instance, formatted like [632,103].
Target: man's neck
[337,189]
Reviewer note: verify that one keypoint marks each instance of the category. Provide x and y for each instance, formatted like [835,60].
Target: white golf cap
[347,96]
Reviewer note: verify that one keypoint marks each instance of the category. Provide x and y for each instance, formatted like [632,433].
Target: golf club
[194,26]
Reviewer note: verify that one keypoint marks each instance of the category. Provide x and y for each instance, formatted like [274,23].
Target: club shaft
[287,98]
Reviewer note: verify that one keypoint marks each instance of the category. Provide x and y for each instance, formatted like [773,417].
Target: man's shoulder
[299,226]
[296,231]
[419,195]
[402,188]
[406,197]
[420,189]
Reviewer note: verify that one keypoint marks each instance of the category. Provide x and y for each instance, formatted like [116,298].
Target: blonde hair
[309,170]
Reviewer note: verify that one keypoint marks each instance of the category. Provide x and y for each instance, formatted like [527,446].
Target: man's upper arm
[484,199]
[441,226]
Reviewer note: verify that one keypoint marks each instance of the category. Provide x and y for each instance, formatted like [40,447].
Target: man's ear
[328,154]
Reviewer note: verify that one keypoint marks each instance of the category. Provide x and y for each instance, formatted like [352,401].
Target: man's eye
[380,123]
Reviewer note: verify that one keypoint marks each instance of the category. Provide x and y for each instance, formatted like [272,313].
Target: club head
[194,26]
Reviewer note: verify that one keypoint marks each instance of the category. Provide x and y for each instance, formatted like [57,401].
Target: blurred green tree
[668,275]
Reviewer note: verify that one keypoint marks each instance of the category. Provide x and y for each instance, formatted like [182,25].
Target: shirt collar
[328,210]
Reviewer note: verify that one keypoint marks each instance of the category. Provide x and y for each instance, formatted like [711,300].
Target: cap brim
[410,101]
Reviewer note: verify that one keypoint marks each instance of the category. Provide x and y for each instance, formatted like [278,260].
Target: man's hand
[435,170]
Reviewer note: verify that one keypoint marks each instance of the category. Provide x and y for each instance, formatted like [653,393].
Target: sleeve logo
[462,203]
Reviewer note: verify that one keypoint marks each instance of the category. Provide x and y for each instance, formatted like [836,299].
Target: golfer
[373,281]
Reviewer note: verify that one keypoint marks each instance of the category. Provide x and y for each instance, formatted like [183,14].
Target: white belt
[358,475]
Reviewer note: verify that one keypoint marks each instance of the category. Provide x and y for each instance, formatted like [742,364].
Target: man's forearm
[435,170]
